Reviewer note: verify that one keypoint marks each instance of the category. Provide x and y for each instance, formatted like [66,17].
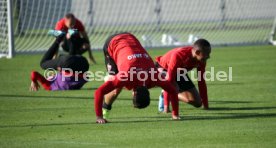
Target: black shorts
[184,83]
[110,64]
[78,43]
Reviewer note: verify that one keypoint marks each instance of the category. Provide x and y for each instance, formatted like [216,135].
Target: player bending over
[64,79]
[187,58]
[125,58]
[76,32]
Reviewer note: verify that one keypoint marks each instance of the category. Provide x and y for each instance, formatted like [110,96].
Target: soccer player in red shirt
[82,43]
[126,60]
[187,58]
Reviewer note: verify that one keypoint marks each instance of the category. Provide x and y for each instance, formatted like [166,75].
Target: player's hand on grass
[34,86]
[174,117]
[166,109]
[101,120]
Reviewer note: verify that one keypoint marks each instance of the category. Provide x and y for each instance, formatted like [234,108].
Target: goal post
[6,29]
[272,38]
[10,30]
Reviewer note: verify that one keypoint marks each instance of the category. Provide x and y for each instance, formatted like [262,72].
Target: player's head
[70,20]
[141,97]
[202,50]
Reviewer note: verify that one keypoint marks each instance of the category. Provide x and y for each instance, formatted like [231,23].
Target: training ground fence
[156,23]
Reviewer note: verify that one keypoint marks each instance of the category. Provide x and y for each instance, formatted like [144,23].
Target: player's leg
[191,96]
[70,42]
[112,70]
[187,92]
[74,44]
[163,104]
[47,60]
[111,97]
[108,101]
[64,45]
[56,33]
[110,64]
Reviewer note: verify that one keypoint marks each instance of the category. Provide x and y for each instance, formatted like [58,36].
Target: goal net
[5,50]
[156,23]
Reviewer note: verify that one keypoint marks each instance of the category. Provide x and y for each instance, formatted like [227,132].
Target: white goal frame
[272,37]
[10,51]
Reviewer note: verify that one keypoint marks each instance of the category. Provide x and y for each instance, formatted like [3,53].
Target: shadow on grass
[35,96]
[152,119]
[232,102]
[82,97]
[61,97]
[225,116]
[240,108]
[93,88]
[228,83]
[57,97]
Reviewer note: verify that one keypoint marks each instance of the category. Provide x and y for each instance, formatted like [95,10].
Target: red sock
[205,103]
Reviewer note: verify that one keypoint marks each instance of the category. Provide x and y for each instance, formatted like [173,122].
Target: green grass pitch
[242,112]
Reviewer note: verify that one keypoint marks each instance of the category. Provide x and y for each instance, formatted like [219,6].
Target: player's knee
[62,44]
[116,92]
[197,104]
[85,46]
[42,65]
[109,78]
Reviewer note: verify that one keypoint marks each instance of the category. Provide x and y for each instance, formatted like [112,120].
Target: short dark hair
[70,16]
[202,44]
[141,98]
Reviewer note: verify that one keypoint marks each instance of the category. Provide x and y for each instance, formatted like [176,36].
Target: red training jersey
[128,53]
[62,27]
[182,58]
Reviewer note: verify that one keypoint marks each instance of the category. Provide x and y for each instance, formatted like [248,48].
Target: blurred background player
[74,30]
[64,79]
[122,52]
[188,57]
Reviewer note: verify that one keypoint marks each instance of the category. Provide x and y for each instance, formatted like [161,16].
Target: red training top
[128,53]
[182,58]
[62,27]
